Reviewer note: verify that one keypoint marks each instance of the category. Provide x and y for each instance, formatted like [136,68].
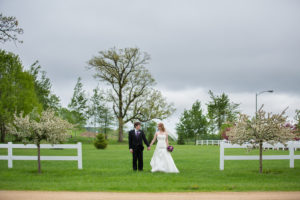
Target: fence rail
[10,157]
[292,146]
[210,142]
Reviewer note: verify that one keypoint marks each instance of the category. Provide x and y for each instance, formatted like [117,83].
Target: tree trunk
[3,133]
[39,158]
[105,133]
[121,123]
[120,117]
[260,156]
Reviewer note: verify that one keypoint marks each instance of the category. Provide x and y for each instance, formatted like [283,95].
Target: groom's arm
[130,140]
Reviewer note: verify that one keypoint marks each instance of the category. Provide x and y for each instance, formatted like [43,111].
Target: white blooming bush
[45,126]
[264,127]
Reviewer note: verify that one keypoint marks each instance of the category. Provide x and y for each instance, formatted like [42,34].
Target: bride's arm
[153,140]
[167,139]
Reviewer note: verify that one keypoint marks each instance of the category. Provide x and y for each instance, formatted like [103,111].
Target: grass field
[110,170]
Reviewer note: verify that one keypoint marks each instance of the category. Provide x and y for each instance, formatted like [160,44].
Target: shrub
[100,142]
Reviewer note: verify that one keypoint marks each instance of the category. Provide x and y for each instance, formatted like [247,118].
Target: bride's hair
[161,125]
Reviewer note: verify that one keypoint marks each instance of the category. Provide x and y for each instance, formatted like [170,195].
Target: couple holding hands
[161,160]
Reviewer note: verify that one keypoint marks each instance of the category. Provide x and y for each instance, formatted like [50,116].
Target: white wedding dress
[162,160]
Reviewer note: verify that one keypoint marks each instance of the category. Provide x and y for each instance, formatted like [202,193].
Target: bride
[162,160]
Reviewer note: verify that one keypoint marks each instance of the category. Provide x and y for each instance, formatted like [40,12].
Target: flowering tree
[297,125]
[224,129]
[38,127]
[264,127]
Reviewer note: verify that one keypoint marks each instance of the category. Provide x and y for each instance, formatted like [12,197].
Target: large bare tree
[131,86]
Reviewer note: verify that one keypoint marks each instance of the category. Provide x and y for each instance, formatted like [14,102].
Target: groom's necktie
[137,134]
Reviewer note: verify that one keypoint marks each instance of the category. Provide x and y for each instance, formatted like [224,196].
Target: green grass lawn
[110,170]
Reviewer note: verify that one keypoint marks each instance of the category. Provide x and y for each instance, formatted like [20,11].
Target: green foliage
[220,110]
[149,129]
[42,87]
[150,136]
[154,106]
[84,140]
[211,137]
[180,140]
[192,122]
[68,115]
[17,92]
[78,105]
[99,113]
[9,28]
[100,142]
[130,84]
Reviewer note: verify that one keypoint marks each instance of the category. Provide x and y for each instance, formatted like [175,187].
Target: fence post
[291,149]
[10,154]
[79,154]
[221,156]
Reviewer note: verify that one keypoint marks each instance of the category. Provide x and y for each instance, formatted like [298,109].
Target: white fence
[10,157]
[291,145]
[276,146]
[210,142]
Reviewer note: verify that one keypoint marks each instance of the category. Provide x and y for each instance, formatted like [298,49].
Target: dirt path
[40,195]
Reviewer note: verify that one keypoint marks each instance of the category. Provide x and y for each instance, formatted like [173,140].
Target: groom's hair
[136,124]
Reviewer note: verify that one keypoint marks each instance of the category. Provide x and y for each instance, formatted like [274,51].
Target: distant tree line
[194,123]
[221,116]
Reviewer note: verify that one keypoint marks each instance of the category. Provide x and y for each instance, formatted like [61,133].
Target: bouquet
[170,148]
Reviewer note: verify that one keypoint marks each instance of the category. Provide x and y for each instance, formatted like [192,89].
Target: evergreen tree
[78,105]
[100,142]
[192,122]
[106,120]
[96,106]
[43,86]
[99,112]
[180,138]
[220,110]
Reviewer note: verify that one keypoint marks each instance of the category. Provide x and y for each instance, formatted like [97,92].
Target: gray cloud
[231,46]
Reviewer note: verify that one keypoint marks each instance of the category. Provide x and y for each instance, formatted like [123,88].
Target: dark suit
[136,144]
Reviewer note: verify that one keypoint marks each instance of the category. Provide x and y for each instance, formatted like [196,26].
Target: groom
[136,147]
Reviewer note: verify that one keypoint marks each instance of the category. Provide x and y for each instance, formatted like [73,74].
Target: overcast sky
[237,47]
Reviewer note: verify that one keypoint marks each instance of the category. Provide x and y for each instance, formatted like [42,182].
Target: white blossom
[47,127]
